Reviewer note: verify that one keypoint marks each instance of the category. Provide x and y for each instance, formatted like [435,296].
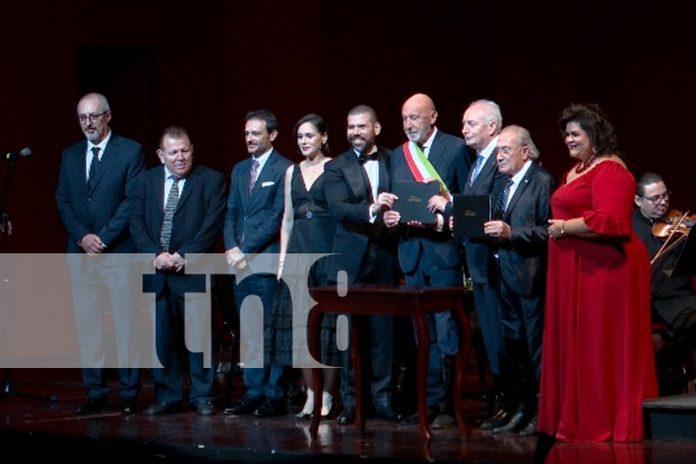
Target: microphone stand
[8,389]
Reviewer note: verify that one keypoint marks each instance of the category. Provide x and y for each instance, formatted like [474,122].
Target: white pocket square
[268,183]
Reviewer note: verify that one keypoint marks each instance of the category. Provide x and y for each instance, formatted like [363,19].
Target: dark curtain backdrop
[205,64]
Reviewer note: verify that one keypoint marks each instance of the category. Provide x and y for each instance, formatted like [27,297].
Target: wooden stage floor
[34,428]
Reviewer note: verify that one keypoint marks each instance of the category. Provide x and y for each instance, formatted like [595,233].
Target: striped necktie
[169,209]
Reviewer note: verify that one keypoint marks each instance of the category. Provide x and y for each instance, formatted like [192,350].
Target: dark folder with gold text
[412,204]
[470,213]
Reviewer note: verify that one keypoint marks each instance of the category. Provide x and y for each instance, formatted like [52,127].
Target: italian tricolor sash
[420,166]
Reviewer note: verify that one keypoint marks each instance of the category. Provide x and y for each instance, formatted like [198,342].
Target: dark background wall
[205,64]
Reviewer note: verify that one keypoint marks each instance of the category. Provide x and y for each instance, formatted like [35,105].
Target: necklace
[584,165]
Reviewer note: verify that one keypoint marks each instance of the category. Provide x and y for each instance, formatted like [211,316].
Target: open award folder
[412,204]
[470,213]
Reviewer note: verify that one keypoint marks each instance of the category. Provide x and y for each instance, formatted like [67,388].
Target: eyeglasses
[83,118]
[656,198]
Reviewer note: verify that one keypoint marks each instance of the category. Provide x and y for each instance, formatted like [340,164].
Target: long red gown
[597,358]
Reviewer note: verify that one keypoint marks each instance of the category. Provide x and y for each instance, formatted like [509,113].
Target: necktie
[93,167]
[477,168]
[169,209]
[253,174]
[503,200]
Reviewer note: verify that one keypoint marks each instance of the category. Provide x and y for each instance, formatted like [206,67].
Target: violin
[674,228]
[674,222]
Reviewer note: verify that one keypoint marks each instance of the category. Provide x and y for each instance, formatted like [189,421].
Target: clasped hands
[166,261]
[236,257]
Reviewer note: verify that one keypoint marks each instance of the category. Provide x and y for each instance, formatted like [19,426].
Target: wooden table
[396,301]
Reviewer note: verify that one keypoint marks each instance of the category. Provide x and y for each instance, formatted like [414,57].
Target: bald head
[418,115]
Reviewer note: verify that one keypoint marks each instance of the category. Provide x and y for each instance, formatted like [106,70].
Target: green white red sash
[420,166]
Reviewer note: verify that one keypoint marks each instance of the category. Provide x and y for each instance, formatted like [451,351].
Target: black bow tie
[363,158]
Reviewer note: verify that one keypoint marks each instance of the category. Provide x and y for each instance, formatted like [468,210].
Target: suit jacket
[196,224]
[478,252]
[522,259]
[349,197]
[449,156]
[103,209]
[252,221]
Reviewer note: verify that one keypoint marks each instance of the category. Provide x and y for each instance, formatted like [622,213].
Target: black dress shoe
[500,418]
[91,406]
[160,408]
[247,405]
[128,406]
[347,416]
[385,412]
[516,423]
[205,408]
[530,428]
[271,408]
[432,413]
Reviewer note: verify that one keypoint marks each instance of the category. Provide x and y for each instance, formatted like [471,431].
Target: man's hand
[497,229]
[236,258]
[391,218]
[437,204]
[165,262]
[92,244]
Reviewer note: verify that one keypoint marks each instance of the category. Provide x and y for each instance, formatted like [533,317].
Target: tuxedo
[196,224]
[429,258]
[252,223]
[366,252]
[101,208]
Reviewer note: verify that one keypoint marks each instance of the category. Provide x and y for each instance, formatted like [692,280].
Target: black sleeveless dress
[313,232]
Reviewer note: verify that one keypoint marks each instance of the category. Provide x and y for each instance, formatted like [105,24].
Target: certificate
[412,204]
[470,213]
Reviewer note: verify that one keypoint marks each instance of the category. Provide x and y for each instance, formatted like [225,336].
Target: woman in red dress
[597,359]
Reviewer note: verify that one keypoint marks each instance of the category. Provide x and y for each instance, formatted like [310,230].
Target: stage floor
[34,428]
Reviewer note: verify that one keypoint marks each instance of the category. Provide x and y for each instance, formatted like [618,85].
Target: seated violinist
[673,300]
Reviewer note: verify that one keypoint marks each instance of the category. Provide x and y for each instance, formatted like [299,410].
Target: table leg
[357,371]
[314,342]
[462,358]
[423,347]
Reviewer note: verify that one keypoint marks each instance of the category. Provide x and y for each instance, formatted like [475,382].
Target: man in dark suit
[481,124]
[520,228]
[428,256]
[96,176]
[252,226]
[356,185]
[177,208]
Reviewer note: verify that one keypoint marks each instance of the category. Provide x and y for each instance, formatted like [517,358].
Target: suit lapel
[189,185]
[105,161]
[437,151]
[355,176]
[519,192]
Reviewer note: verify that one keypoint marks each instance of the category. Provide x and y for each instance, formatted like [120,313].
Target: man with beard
[428,255]
[356,185]
[95,178]
[252,226]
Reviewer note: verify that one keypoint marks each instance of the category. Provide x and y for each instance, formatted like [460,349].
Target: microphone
[26,151]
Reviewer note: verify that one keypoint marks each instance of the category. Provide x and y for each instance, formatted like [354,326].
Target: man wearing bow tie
[356,184]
